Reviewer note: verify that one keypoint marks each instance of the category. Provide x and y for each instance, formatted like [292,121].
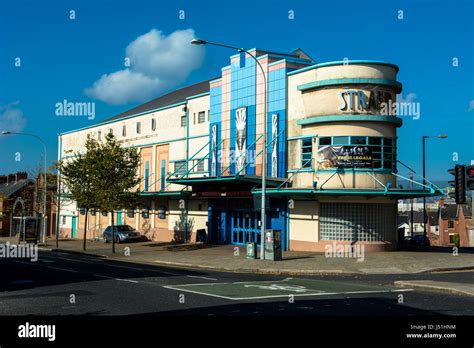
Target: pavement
[231,258]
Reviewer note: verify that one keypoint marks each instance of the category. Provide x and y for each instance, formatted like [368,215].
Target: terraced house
[332,155]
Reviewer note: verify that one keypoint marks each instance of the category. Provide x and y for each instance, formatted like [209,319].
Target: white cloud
[157,63]
[11,118]
[471,106]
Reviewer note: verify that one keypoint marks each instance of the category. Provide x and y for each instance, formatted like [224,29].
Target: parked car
[420,240]
[123,233]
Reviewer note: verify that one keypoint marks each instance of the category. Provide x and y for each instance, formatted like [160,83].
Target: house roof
[433,218]
[7,189]
[467,211]
[449,211]
[171,98]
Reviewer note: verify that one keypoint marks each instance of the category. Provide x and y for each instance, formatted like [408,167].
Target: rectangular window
[64,220]
[340,140]
[180,167]
[325,141]
[139,127]
[200,166]
[124,131]
[306,153]
[147,174]
[183,121]
[202,117]
[358,140]
[450,224]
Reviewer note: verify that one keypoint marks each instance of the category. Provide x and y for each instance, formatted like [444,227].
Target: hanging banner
[214,150]
[240,140]
[274,166]
[347,156]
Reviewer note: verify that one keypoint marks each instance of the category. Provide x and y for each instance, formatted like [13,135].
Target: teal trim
[356,171]
[302,170]
[349,118]
[197,96]
[169,141]
[354,192]
[302,137]
[160,193]
[349,81]
[216,80]
[341,62]
[125,118]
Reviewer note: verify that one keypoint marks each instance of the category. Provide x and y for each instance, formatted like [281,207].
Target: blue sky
[61,58]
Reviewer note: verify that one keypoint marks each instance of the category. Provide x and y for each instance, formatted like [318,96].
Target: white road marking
[207,278]
[102,276]
[179,288]
[63,269]
[126,280]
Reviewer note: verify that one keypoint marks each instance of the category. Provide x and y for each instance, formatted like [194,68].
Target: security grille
[357,222]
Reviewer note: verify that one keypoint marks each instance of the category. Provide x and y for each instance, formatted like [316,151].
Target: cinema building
[332,155]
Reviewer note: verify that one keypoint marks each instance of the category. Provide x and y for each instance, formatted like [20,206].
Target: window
[200,166]
[153,124]
[111,131]
[64,220]
[139,127]
[183,121]
[450,224]
[124,131]
[180,167]
[340,140]
[99,135]
[325,141]
[358,140]
[306,153]
[202,117]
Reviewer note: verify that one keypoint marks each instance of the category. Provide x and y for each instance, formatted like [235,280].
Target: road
[75,284]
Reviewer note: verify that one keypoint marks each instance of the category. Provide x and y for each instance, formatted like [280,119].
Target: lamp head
[198,42]
[6,132]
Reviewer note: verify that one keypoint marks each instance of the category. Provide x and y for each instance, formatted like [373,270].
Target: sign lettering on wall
[357,100]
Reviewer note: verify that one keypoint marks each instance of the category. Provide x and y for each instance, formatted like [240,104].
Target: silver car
[123,233]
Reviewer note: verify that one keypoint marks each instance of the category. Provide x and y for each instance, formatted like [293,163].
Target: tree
[77,176]
[116,177]
[104,177]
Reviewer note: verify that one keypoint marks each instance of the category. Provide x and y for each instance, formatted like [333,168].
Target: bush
[456,240]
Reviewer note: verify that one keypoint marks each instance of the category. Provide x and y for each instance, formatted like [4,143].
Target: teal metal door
[244,227]
[73,227]
[119,217]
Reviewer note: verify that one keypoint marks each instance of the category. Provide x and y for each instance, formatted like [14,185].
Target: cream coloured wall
[304,221]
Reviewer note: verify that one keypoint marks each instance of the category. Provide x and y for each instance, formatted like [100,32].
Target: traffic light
[459,183]
[470,177]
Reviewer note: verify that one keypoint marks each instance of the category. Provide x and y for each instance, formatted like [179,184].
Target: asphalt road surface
[74,284]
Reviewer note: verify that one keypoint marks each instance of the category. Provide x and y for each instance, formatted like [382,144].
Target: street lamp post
[425,215]
[264,159]
[43,229]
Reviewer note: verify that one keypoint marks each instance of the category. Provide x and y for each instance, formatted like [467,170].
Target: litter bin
[273,245]
[250,251]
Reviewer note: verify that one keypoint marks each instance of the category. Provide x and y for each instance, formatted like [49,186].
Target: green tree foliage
[105,177]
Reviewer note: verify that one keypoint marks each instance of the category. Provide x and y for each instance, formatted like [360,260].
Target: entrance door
[73,229]
[244,227]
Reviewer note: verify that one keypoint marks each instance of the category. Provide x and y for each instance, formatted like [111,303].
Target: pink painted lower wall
[297,245]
